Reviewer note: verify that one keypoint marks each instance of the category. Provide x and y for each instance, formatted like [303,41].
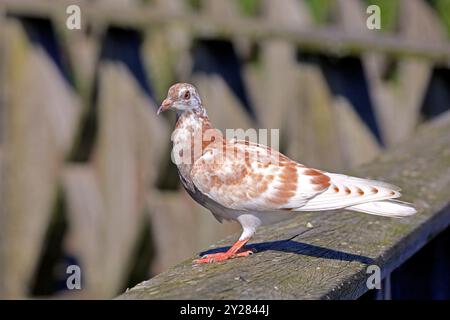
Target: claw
[234,252]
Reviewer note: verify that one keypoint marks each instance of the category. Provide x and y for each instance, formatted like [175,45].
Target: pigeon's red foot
[222,256]
[234,252]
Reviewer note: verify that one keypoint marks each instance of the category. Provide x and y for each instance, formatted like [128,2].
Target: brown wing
[247,176]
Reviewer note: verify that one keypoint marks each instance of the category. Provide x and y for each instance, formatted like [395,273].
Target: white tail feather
[386,208]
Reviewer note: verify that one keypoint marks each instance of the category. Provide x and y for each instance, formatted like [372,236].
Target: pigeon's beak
[166,104]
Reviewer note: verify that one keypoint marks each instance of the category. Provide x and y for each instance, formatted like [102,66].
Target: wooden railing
[330,255]
[216,26]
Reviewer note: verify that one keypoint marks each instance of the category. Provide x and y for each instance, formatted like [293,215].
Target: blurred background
[86,176]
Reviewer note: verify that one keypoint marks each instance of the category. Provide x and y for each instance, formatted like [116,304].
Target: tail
[385,208]
[362,195]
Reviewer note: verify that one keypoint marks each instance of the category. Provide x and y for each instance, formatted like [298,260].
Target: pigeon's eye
[187,95]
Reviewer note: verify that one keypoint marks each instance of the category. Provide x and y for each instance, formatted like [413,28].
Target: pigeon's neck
[198,112]
[190,138]
[193,121]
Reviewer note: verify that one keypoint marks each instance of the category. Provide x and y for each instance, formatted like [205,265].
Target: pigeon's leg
[235,251]
[249,224]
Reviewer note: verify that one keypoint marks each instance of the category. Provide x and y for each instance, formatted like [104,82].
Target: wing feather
[246,176]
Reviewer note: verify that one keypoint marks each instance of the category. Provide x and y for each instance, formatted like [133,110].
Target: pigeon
[255,185]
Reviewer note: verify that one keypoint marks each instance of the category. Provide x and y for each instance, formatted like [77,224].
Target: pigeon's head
[181,97]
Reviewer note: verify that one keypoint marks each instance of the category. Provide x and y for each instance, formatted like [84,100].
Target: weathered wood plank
[86,214]
[321,39]
[107,197]
[398,89]
[329,259]
[41,114]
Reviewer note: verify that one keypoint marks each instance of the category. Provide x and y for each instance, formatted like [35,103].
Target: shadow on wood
[305,249]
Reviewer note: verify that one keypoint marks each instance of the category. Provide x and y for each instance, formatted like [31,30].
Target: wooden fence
[86,176]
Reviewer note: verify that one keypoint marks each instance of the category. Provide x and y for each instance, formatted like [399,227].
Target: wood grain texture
[329,259]
[326,39]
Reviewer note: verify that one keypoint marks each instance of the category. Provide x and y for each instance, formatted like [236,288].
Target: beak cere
[166,104]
